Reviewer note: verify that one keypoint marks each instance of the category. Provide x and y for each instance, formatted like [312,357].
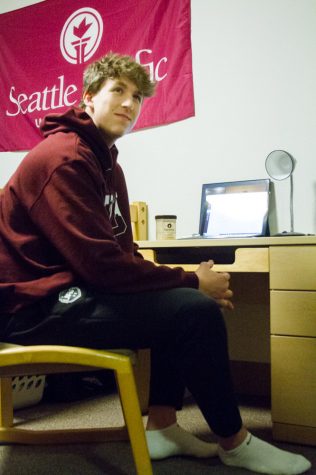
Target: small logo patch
[81,35]
[69,295]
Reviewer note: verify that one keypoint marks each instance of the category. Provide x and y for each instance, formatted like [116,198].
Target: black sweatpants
[183,328]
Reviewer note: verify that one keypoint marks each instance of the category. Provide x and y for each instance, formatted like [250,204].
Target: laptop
[234,209]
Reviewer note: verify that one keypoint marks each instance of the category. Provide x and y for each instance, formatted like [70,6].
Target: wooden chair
[47,359]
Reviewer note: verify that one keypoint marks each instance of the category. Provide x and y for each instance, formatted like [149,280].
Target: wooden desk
[289,266]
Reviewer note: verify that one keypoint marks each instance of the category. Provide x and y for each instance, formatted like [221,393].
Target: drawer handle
[246,260]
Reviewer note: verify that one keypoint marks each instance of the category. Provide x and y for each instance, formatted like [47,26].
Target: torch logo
[81,35]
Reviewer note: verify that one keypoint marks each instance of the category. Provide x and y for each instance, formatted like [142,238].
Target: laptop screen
[235,209]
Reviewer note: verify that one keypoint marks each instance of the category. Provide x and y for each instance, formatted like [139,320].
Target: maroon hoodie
[64,220]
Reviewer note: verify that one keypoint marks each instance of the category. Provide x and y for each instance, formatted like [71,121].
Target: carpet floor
[115,458]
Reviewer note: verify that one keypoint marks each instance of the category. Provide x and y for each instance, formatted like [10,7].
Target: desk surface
[240,242]
[232,255]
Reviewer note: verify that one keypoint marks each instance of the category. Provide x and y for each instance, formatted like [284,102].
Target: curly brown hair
[112,66]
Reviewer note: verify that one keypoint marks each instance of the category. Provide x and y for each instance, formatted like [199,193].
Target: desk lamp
[280,166]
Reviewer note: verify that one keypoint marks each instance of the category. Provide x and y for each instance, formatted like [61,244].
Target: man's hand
[215,284]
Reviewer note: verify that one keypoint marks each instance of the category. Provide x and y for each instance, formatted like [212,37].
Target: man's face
[115,108]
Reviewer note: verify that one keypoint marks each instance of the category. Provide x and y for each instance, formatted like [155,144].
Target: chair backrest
[139,219]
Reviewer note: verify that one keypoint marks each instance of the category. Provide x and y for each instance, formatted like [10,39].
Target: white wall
[254,75]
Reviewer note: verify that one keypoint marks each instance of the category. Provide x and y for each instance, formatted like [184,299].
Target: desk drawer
[293,267]
[293,313]
[293,368]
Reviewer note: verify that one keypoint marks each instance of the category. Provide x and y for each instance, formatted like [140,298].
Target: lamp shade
[279,164]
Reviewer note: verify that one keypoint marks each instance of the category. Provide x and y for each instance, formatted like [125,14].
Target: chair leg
[134,423]
[6,402]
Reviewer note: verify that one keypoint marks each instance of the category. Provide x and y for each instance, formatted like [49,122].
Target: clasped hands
[215,284]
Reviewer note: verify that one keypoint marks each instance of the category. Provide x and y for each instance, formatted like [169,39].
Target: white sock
[259,456]
[174,440]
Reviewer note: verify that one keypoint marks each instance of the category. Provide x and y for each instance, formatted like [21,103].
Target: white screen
[236,213]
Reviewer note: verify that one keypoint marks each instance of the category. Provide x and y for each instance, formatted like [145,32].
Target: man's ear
[87,99]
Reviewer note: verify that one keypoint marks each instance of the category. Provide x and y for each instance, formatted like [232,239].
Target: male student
[71,275]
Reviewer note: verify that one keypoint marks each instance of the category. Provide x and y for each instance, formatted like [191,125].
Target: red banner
[45,48]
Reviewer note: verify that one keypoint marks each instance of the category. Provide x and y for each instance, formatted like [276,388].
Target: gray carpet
[115,458]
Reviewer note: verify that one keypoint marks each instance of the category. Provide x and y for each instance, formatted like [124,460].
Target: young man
[71,275]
